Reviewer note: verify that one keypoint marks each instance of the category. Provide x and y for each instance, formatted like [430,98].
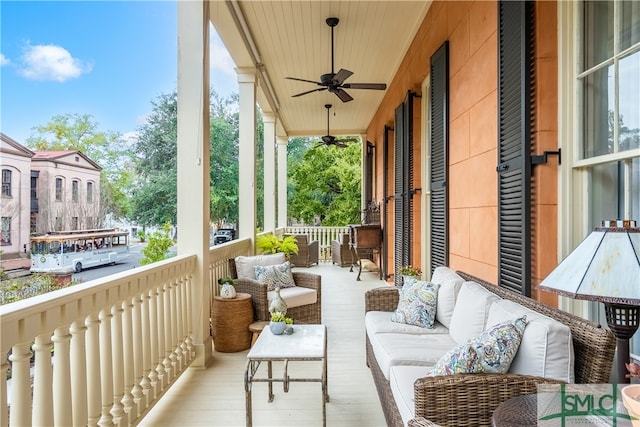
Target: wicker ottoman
[230,318]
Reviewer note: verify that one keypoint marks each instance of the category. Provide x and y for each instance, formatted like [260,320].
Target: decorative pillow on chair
[490,352]
[417,304]
[275,276]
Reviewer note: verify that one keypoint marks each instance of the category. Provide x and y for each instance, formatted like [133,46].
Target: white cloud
[219,57]
[4,60]
[51,62]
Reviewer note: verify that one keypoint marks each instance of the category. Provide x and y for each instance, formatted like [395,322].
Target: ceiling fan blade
[309,91]
[374,86]
[340,144]
[341,76]
[344,96]
[303,80]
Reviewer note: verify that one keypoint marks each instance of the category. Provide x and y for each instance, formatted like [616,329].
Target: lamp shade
[605,267]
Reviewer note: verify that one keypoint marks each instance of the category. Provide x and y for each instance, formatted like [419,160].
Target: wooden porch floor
[215,396]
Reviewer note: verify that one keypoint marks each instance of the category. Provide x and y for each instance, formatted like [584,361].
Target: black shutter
[439,144]
[368,173]
[386,198]
[403,182]
[515,41]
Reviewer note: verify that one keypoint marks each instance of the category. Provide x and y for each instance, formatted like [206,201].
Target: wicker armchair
[308,252]
[308,314]
[341,253]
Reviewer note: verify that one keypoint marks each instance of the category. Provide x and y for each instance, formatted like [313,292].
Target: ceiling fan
[334,82]
[329,139]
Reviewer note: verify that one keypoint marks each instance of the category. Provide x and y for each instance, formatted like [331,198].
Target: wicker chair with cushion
[341,251]
[303,300]
[308,252]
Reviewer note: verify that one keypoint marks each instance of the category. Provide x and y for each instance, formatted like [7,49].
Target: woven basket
[230,320]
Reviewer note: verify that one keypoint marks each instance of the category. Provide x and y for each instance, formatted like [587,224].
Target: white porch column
[269,121]
[193,161]
[247,155]
[282,181]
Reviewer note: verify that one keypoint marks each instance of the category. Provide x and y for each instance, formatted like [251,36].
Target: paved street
[132,261]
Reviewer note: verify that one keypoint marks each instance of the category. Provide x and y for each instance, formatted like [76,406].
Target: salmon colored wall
[471,29]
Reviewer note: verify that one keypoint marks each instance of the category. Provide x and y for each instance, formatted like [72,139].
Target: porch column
[193,162]
[269,121]
[282,181]
[247,153]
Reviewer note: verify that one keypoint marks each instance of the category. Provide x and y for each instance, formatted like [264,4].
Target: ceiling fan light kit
[334,82]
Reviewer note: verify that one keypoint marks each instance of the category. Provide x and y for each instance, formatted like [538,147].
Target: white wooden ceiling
[291,38]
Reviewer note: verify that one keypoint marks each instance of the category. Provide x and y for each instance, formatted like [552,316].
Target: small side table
[230,319]
[256,328]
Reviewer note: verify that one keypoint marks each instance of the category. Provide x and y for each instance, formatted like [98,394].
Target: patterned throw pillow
[275,276]
[417,304]
[491,352]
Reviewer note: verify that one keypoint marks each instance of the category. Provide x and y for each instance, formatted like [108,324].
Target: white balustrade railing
[324,235]
[99,353]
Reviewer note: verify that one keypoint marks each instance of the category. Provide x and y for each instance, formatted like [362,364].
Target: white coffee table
[307,343]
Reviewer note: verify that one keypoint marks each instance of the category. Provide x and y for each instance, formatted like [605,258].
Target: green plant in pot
[278,323]
[271,244]
[227,287]
[409,273]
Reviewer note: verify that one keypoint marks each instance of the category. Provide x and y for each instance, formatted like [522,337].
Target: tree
[158,247]
[108,149]
[326,186]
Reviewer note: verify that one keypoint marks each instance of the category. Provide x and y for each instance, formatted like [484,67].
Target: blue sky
[108,59]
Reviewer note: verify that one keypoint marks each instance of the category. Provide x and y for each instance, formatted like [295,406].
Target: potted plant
[409,273]
[271,244]
[278,323]
[227,287]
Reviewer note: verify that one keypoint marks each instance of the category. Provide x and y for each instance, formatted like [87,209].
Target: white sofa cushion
[450,284]
[546,349]
[380,322]
[391,349]
[295,296]
[470,312]
[245,264]
[401,379]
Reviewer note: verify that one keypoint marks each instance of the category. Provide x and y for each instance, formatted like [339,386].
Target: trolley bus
[69,251]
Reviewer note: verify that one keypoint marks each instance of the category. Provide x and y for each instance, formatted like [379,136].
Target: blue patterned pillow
[491,352]
[275,276]
[417,304]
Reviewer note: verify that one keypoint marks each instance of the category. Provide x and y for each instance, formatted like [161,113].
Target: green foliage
[277,316]
[21,288]
[326,184]
[158,246]
[142,235]
[409,270]
[271,244]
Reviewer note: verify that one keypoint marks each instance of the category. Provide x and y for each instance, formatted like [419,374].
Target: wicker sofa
[469,399]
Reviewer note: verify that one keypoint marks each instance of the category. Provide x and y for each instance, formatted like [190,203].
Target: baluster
[188,311]
[179,325]
[118,412]
[137,357]
[62,377]
[127,353]
[153,340]
[42,380]
[78,373]
[173,320]
[106,368]
[20,385]
[4,367]
[146,345]
[166,328]
[162,372]
[94,398]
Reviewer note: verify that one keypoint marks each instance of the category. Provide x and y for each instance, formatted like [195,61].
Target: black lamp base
[622,319]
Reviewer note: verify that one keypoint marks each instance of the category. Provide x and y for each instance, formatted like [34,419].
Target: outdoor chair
[341,253]
[308,252]
[303,300]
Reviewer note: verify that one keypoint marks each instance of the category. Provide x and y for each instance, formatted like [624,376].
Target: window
[5,232]
[89,192]
[74,191]
[74,223]
[59,189]
[6,182]
[610,118]
[89,221]
[34,186]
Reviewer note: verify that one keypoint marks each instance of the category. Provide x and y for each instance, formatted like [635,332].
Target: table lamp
[605,267]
